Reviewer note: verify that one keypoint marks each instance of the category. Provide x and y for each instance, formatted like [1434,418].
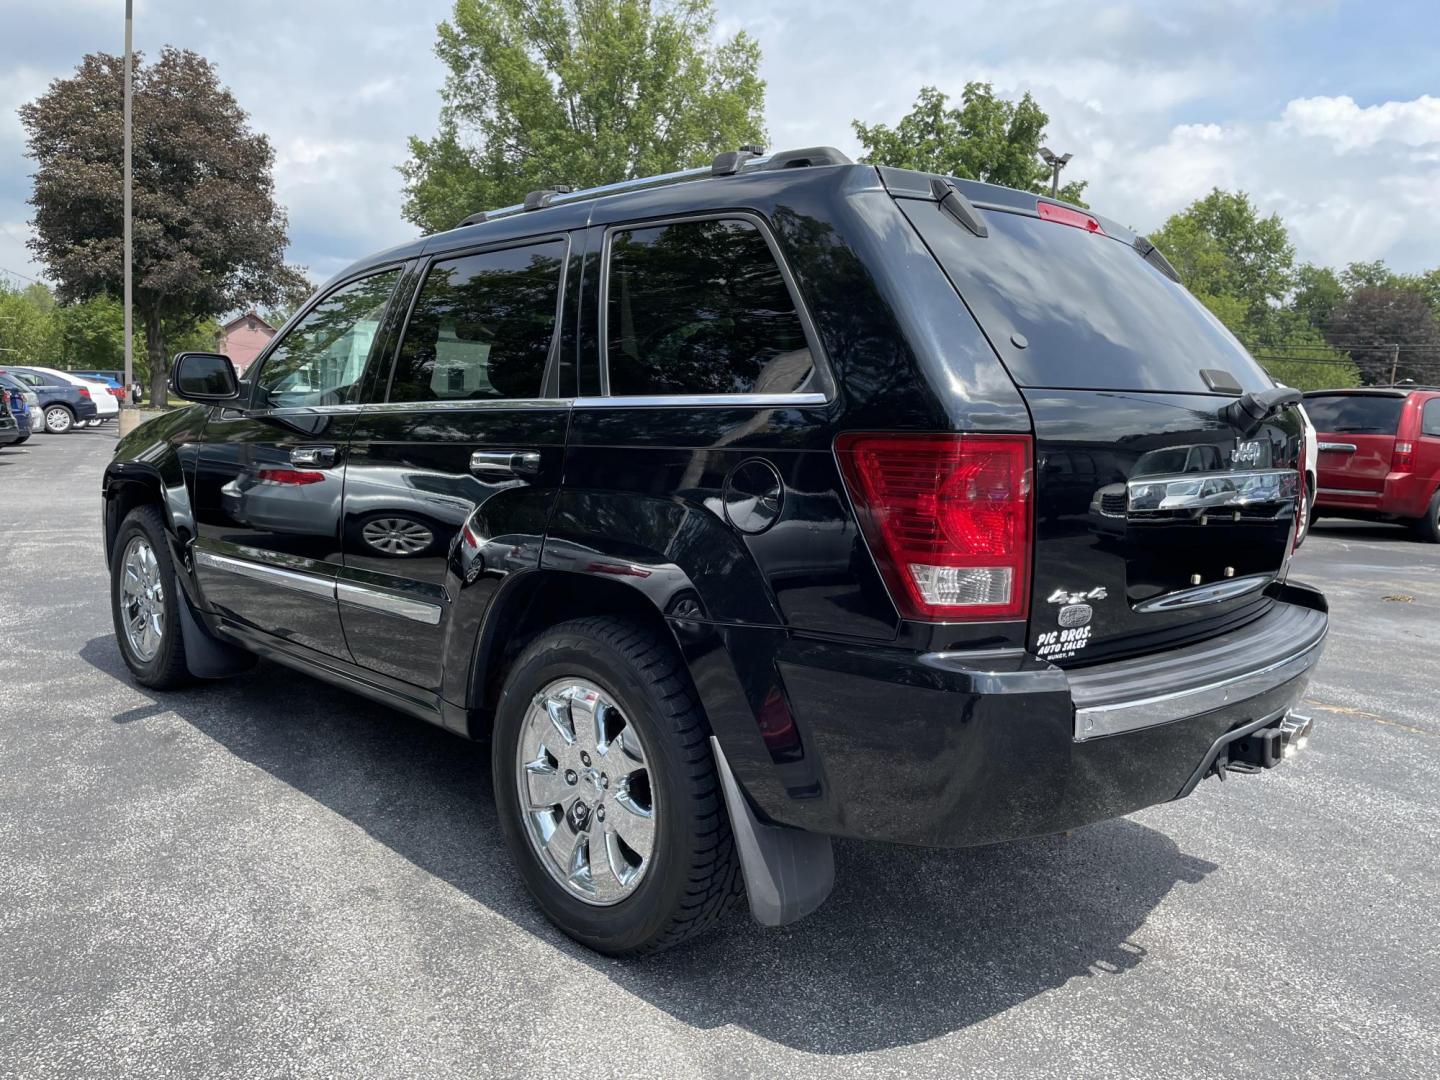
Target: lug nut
[604,780]
[600,813]
[570,776]
[585,758]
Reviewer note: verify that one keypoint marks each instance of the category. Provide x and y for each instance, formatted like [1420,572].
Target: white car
[107,406]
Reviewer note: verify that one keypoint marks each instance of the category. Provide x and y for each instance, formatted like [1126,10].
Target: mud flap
[788,872]
[207,657]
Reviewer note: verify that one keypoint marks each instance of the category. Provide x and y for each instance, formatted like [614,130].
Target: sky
[1325,111]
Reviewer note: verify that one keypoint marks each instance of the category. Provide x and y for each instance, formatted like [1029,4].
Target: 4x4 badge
[1060,596]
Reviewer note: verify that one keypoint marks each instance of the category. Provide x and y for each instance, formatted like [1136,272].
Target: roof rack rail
[732,161]
[747,158]
[809,156]
[540,198]
[477,218]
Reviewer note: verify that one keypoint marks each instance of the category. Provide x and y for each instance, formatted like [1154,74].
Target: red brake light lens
[84,391]
[947,518]
[1063,215]
[1402,458]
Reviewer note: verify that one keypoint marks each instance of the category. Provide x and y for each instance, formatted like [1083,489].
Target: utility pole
[1056,163]
[1394,362]
[129,64]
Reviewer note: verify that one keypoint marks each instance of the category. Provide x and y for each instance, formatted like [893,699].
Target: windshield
[1068,308]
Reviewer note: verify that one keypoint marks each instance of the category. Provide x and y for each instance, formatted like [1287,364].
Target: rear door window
[1068,308]
[482,326]
[701,307]
[1355,414]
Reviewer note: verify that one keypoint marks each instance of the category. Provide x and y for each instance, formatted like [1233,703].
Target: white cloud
[1349,127]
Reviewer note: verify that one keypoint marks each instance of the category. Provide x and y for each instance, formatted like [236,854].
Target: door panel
[268,545]
[410,494]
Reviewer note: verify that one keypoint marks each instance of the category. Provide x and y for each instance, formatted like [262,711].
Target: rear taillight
[1302,504]
[83,391]
[947,518]
[289,476]
[1064,215]
[1402,458]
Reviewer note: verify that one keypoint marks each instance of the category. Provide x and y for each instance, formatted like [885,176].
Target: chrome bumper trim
[1121,716]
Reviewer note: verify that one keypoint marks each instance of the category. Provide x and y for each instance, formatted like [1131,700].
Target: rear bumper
[1405,495]
[954,750]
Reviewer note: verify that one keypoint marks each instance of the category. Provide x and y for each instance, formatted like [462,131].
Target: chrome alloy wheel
[142,599]
[58,420]
[397,536]
[585,792]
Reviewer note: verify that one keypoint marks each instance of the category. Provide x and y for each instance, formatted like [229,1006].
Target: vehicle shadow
[913,943]
[1384,532]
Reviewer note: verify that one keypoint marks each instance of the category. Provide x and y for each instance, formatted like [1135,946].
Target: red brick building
[243,337]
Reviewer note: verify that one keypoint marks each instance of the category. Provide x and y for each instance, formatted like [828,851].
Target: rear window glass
[1066,308]
[1355,414]
[701,307]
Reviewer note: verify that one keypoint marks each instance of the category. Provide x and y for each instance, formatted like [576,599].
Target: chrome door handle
[1338,447]
[317,457]
[505,464]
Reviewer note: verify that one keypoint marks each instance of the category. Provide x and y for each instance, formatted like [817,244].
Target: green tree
[27,326]
[578,92]
[1373,320]
[209,236]
[985,138]
[1242,254]
[1318,292]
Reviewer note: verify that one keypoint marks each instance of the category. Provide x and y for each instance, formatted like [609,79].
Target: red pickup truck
[1379,455]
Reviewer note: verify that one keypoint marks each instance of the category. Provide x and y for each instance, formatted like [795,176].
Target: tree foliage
[578,92]
[1385,326]
[983,138]
[208,235]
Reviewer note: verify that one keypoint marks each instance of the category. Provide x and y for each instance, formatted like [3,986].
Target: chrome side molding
[345,592]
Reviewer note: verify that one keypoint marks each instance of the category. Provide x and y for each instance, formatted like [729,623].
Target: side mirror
[204,377]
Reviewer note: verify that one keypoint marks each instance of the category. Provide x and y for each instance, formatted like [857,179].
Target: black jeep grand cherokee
[745,508]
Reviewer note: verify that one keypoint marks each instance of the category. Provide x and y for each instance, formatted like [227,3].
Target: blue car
[19,398]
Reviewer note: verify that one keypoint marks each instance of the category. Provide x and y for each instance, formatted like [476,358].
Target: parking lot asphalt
[266,877]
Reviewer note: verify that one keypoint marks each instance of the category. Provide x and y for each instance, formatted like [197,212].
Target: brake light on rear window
[1064,215]
[1402,458]
[947,518]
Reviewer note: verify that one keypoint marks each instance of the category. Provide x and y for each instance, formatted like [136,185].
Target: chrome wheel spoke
[564,848]
[585,713]
[558,710]
[545,785]
[633,823]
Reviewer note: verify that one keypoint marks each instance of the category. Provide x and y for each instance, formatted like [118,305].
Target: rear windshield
[1355,414]
[1066,308]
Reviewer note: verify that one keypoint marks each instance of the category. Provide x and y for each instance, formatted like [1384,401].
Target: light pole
[129,359]
[1056,164]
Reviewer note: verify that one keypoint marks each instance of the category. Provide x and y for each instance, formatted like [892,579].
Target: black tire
[21,441]
[695,874]
[165,670]
[58,424]
[1428,527]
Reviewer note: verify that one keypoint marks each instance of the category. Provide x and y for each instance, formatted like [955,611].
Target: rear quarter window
[1355,414]
[1067,308]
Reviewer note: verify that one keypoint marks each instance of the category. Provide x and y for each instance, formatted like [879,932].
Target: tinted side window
[321,359]
[482,326]
[1430,418]
[700,307]
[1355,414]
